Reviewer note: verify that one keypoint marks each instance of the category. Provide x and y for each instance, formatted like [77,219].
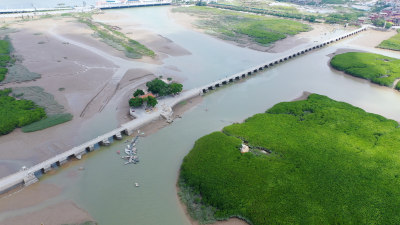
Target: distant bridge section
[266,65]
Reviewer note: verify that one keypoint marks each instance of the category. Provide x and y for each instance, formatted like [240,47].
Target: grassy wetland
[326,162]
[111,36]
[241,27]
[378,69]
[392,43]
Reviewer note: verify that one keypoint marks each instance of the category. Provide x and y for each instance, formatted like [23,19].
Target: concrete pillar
[118,136]
[62,161]
[90,148]
[46,168]
[105,142]
[29,179]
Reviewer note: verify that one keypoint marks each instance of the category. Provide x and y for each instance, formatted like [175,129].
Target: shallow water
[106,187]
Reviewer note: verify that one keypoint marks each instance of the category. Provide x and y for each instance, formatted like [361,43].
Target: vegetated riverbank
[111,36]
[378,69]
[392,43]
[241,27]
[318,33]
[332,160]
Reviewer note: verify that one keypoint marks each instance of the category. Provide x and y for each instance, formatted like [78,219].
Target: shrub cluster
[330,163]
[159,87]
[17,113]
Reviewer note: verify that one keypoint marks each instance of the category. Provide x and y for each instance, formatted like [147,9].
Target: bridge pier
[80,154]
[90,148]
[46,168]
[61,162]
[118,136]
[105,142]
[29,179]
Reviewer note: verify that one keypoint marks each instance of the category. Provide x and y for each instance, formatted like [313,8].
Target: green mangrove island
[241,27]
[378,69]
[314,161]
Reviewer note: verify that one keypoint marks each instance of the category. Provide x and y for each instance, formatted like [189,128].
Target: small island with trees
[314,161]
[378,69]
[156,88]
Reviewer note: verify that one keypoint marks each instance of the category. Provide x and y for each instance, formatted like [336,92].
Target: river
[106,187]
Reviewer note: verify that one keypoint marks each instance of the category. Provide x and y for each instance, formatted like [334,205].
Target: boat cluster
[131,152]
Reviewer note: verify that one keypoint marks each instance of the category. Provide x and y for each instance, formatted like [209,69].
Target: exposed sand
[162,45]
[26,198]
[90,73]
[372,38]
[61,213]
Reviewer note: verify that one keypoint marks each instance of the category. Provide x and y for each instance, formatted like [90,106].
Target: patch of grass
[41,98]
[17,113]
[118,40]
[236,26]
[392,43]
[5,58]
[47,122]
[378,69]
[330,163]
[61,89]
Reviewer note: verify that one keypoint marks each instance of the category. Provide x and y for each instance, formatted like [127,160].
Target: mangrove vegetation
[241,27]
[378,69]
[321,162]
[17,113]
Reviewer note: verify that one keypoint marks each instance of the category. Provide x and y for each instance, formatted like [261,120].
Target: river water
[106,187]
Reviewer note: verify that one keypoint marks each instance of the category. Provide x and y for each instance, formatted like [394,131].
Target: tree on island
[157,86]
[151,101]
[138,92]
[136,102]
[175,88]
[161,88]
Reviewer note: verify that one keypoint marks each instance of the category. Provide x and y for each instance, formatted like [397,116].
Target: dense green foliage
[175,88]
[159,87]
[47,122]
[343,17]
[5,59]
[392,43]
[138,92]
[238,26]
[118,40]
[330,163]
[377,68]
[136,102]
[17,113]
[151,101]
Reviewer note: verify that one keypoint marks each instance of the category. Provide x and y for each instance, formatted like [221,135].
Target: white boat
[136,184]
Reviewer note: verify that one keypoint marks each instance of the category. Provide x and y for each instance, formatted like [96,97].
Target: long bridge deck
[27,177]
